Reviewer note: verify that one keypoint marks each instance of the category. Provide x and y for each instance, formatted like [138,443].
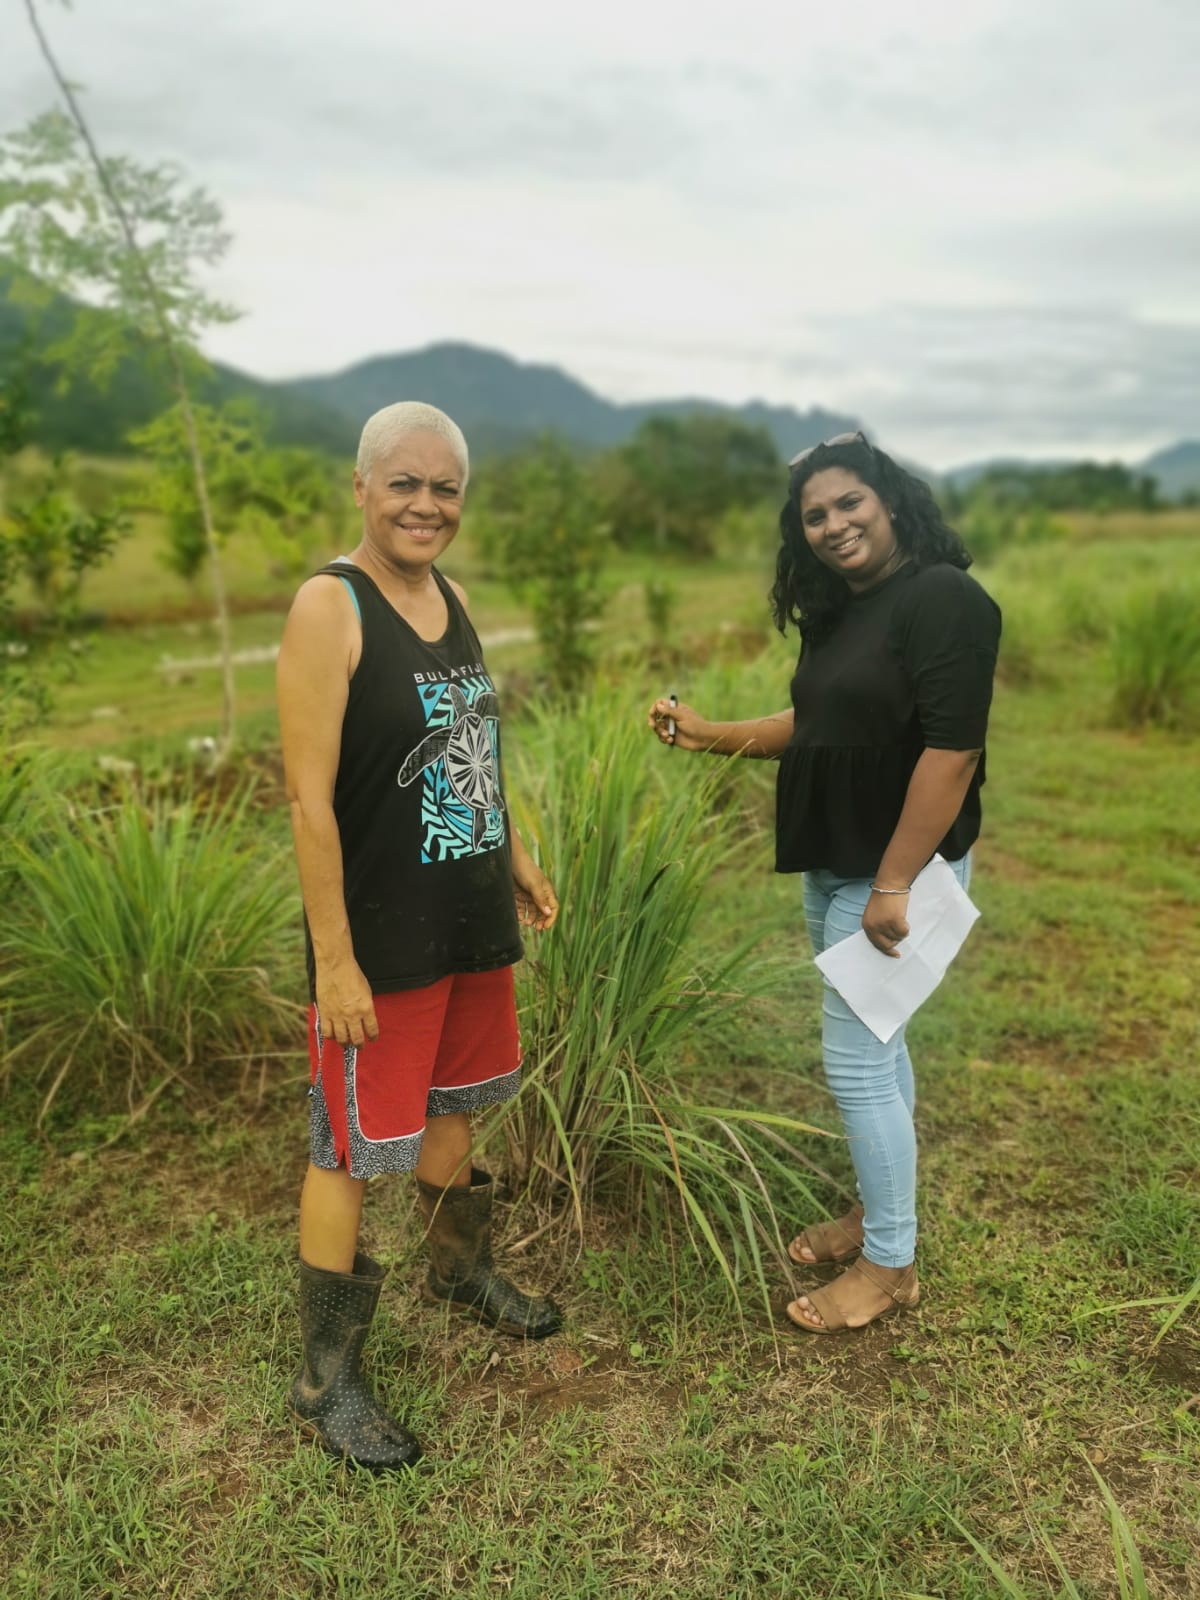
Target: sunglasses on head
[823,444]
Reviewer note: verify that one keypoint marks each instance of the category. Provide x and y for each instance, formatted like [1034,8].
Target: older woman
[881,763]
[414,883]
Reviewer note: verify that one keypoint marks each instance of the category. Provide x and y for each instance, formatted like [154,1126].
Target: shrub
[991,525]
[144,940]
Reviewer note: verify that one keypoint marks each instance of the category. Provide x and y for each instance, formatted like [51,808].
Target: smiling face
[848,527]
[411,501]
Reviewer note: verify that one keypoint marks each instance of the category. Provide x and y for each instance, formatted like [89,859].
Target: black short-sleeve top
[907,668]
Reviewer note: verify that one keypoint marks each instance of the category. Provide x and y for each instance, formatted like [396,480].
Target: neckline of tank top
[444,590]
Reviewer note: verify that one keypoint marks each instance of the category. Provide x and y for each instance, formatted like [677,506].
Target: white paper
[884,991]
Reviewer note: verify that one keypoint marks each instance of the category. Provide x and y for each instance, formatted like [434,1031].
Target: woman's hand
[884,921]
[537,904]
[345,1008]
[692,732]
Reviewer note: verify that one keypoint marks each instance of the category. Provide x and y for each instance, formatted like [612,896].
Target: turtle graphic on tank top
[464,746]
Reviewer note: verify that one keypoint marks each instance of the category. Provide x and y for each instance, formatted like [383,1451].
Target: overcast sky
[975,224]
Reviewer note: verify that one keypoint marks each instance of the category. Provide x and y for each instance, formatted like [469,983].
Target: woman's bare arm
[934,798]
[759,738]
[316,659]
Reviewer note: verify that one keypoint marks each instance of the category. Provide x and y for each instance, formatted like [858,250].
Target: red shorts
[449,1047]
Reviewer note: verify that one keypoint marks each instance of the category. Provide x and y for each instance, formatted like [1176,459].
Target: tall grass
[1156,657]
[1030,643]
[613,998]
[142,943]
[24,772]
[1084,611]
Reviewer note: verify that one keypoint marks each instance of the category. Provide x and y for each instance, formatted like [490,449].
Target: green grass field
[663,1444]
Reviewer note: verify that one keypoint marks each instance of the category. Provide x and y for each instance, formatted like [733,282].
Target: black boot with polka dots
[330,1398]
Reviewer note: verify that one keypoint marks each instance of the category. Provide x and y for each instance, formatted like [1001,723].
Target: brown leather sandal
[903,1295]
[829,1241]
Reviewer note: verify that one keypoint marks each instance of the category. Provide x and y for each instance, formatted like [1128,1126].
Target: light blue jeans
[871,1082]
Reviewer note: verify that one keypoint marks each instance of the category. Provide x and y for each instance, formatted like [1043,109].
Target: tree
[49,541]
[283,496]
[550,537]
[1074,486]
[16,400]
[109,231]
[678,476]
[57,543]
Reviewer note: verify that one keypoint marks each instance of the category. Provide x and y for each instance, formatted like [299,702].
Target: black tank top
[426,855]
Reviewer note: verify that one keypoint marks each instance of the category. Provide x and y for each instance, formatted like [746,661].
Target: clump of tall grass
[732,688]
[1030,642]
[25,773]
[1156,657]
[1085,611]
[143,943]
[612,998]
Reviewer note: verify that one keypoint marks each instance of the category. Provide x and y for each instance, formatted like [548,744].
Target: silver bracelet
[875,889]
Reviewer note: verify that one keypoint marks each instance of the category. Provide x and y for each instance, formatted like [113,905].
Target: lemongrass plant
[613,1000]
[143,941]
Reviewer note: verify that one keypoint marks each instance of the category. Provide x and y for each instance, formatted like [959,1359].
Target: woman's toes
[803,1310]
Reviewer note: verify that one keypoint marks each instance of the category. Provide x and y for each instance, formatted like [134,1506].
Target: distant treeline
[1079,486]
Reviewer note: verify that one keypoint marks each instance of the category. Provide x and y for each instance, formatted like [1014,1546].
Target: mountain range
[499,403]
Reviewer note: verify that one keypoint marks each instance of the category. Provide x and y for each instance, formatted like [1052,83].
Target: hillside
[498,401]
[1177,469]
[98,419]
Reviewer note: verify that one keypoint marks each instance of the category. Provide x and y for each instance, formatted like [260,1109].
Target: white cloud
[871,208]
[1043,382]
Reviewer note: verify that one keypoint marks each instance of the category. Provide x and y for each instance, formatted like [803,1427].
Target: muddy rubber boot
[330,1398]
[459,1224]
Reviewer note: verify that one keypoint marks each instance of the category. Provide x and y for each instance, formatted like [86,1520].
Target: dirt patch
[569,1378]
[1174,1362]
[1003,864]
[869,1367]
[1137,1039]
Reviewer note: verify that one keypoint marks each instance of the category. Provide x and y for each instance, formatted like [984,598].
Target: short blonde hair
[381,432]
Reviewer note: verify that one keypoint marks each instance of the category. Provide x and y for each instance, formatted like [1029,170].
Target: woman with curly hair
[881,760]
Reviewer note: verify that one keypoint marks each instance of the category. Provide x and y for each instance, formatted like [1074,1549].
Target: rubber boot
[459,1224]
[330,1398]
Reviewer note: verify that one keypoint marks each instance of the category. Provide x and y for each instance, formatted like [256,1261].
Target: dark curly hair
[805,591]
